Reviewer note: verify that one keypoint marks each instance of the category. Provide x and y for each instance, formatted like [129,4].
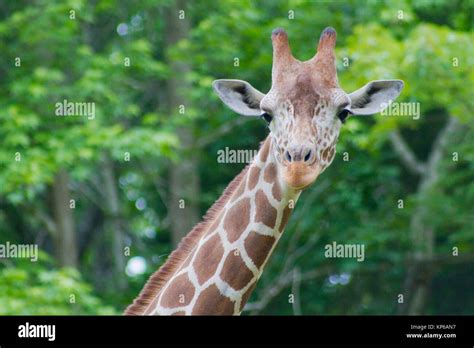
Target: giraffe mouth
[300,175]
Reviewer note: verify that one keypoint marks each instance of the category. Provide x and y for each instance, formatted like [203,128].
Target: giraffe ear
[375,96]
[240,96]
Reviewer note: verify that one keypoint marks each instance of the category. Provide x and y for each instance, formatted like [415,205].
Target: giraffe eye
[267,117]
[343,114]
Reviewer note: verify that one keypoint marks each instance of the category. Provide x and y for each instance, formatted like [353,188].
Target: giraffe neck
[220,271]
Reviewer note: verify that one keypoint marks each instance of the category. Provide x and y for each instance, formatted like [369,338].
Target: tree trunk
[65,243]
[183,208]
[420,270]
[422,233]
[113,225]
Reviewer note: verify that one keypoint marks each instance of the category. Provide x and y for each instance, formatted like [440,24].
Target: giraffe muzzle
[299,175]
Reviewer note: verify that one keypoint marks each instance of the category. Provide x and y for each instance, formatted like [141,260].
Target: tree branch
[406,155]
[219,132]
[422,232]
[439,146]
[45,219]
[295,290]
[282,282]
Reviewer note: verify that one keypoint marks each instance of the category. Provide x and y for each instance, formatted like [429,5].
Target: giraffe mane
[158,279]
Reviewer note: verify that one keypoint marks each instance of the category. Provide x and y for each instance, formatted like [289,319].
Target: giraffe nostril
[288,156]
[308,156]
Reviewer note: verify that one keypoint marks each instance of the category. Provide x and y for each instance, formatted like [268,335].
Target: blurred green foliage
[40,289]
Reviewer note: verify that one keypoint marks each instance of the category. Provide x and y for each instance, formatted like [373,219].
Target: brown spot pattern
[240,190]
[187,261]
[235,272]
[270,173]
[208,258]
[258,246]
[216,222]
[246,296]
[237,219]
[253,177]
[264,150]
[286,215]
[325,154]
[181,285]
[212,302]
[265,212]
[276,191]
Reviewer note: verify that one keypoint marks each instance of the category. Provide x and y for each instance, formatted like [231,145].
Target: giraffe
[217,265]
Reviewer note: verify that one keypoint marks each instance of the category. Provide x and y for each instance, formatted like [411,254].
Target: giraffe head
[305,107]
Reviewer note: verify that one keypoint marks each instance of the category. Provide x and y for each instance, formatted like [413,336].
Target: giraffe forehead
[301,113]
[307,81]
[304,100]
